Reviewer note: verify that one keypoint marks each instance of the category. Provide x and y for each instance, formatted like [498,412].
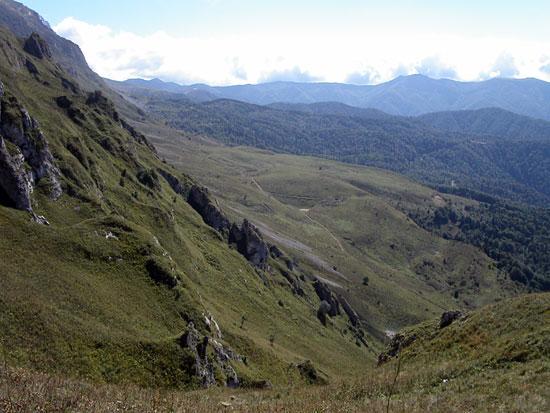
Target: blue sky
[250,41]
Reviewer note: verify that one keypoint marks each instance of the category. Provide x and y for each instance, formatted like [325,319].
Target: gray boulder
[322,311]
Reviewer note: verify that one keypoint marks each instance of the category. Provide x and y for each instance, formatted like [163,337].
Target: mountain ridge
[410,95]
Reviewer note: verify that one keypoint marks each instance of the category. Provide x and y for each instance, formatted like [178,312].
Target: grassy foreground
[415,391]
[495,359]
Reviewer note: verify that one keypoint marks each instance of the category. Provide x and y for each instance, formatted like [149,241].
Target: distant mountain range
[406,95]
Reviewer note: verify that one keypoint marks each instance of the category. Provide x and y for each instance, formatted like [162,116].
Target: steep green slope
[107,289]
[512,332]
[346,224]
[492,359]
[498,355]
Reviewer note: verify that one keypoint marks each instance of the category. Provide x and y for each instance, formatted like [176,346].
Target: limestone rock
[97,99]
[15,182]
[322,311]
[174,182]
[198,345]
[205,366]
[19,129]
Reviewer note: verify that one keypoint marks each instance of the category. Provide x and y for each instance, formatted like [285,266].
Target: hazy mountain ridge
[406,95]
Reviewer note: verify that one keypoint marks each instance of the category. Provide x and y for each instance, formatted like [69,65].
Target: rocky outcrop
[25,155]
[223,356]
[97,99]
[310,374]
[350,312]
[250,243]
[247,238]
[73,112]
[160,273]
[15,182]
[397,343]
[294,282]
[205,366]
[17,126]
[31,67]
[324,294]
[322,311]
[200,201]
[138,136]
[37,47]
[276,253]
[448,317]
[174,182]
[198,345]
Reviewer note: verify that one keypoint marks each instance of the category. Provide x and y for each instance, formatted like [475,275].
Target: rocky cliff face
[324,294]
[200,201]
[37,47]
[25,157]
[15,182]
[250,243]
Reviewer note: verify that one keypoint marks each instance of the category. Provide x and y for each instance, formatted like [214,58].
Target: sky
[224,42]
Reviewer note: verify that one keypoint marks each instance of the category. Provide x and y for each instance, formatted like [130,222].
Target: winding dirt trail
[327,230]
[314,221]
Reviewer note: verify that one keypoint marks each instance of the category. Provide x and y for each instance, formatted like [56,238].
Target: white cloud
[433,67]
[294,74]
[504,66]
[365,57]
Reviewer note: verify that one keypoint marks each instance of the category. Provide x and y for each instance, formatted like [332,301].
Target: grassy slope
[472,365]
[353,222]
[73,301]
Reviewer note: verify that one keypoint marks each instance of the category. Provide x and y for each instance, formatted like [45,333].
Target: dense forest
[517,238]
